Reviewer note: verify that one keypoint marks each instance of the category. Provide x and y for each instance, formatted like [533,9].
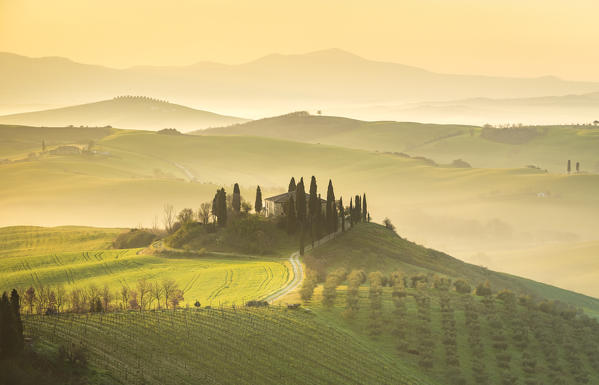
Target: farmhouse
[277,205]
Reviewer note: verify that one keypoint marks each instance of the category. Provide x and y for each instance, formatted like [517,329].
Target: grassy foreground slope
[372,247]
[223,346]
[548,147]
[77,257]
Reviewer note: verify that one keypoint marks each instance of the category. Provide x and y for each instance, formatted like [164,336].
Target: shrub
[462,287]
[388,224]
[507,296]
[484,289]
[134,238]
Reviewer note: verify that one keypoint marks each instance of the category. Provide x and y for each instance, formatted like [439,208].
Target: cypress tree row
[357,209]
[236,201]
[258,203]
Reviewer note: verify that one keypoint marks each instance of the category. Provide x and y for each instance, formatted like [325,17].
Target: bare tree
[168,288]
[124,297]
[168,218]
[143,291]
[60,297]
[204,212]
[156,291]
[30,298]
[106,297]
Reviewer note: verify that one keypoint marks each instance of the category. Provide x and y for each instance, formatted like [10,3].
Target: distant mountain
[124,112]
[274,83]
[538,110]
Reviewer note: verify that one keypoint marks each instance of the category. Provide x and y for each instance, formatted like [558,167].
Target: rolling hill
[269,85]
[474,214]
[124,112]
[547,147]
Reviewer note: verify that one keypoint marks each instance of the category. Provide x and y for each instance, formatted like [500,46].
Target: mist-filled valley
[244,193]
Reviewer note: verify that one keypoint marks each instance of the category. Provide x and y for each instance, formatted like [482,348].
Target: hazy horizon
[433,34]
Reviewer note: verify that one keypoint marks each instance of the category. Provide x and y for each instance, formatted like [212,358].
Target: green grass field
[79,257]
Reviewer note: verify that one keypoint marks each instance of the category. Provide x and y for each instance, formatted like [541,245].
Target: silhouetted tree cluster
[219,207]
[11,327]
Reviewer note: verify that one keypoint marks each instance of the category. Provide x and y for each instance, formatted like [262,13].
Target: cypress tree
[331,217]
[342,213]
[351,212]
[222,220]
[291,218]
[300,206]
[313,201]
[15,304]
[236,201]
[258,203]
[9,340]
[364,209]
[292,185]
[300,202]
[357,209]
[569,166]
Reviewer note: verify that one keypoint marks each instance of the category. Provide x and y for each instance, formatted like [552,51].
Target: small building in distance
[277,205]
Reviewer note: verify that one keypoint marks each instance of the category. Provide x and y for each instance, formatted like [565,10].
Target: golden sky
[495,37]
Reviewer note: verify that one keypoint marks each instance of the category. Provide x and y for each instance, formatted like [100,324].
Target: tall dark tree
[258,203]
[300,207]
[291,217]
[313,201]
[331,210]
[569,166]
[11,335]
[15,304]
[357,209]
[300,202]
[236,201]
[577,167]
[351,212]
[364,209]
[43,145]
[342,213]
[219,207]
[292,185]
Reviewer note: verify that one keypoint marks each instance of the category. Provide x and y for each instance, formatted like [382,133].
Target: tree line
[145,295]
[305,214]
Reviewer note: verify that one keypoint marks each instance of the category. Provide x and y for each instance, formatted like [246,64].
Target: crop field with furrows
[221,346]
[46,257]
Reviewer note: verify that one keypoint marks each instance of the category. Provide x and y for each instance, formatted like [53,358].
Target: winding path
[298,270]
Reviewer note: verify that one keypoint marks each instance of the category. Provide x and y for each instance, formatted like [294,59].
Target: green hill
[371,247]
[130,112]
[475,214]
[548,147]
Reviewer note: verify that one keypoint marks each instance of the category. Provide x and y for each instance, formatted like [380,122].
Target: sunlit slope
[76,257]
[125,112]
[465,212]
[373,248]
[550,148]
[242,346]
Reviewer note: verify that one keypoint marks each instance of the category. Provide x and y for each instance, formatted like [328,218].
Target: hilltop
[132,112]
[547,147]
